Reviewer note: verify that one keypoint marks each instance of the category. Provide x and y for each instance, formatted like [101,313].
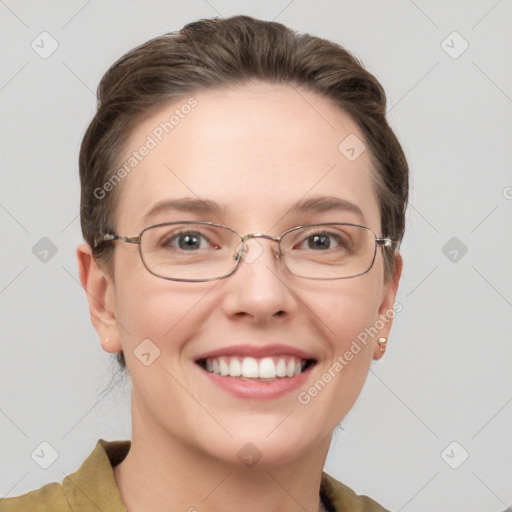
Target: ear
[99,289]
[387,307]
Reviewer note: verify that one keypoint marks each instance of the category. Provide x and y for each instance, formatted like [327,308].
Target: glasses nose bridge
[277,239]
[261,235]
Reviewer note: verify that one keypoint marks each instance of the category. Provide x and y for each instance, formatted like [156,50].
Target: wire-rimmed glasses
[206,251]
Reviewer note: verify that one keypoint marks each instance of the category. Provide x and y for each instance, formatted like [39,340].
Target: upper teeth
[250,367]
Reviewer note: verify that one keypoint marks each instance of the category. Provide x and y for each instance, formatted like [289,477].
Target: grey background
[446,375]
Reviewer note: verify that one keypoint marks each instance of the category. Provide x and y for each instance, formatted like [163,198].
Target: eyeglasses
[205,251]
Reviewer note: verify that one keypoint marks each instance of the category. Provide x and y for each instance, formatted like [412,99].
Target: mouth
[257,372]
[261,369]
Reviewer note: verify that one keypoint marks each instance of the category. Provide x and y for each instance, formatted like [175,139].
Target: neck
[161,472]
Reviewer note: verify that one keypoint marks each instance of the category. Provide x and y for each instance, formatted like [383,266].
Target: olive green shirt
[92,488]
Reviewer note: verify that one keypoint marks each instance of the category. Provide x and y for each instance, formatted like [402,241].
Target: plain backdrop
[431,430]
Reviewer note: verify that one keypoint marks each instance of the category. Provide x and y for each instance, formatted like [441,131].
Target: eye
[324,240]
[187,241]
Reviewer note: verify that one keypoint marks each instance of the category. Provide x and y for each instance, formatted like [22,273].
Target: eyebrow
[313,205]
[326,204]
[184,205]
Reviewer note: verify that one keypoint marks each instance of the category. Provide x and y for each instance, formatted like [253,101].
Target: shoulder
[343,499]
[48,498]
[92,487]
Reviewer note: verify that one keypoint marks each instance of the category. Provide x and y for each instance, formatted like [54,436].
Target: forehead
[254,150]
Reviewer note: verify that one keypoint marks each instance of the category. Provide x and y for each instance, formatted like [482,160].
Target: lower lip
[257,388]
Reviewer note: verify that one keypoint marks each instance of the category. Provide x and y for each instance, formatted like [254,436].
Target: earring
[107,340]
[382,343]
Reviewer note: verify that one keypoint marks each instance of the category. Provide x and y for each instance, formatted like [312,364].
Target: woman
[243,201]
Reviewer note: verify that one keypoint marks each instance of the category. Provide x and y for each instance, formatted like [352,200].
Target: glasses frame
[109,237]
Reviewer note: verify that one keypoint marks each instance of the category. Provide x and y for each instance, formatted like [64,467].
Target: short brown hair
[224,52]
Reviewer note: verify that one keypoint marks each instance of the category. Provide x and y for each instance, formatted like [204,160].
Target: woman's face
[256,152]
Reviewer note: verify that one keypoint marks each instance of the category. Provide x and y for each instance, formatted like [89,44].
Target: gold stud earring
[107,340]
[382,343]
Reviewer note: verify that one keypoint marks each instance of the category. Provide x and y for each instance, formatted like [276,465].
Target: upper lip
[257,351]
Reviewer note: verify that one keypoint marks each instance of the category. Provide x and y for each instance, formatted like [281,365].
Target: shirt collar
[93,486]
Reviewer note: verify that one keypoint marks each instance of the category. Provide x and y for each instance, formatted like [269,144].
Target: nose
[259,291]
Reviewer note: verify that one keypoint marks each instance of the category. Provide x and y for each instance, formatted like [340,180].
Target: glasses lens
[189,251]
[197,251]
[329,251]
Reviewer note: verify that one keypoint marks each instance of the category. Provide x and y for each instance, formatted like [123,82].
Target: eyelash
[341,242]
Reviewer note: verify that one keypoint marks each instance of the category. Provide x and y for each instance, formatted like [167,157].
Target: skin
[254,150]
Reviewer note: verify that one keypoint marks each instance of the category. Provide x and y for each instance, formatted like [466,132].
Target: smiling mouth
[251,368]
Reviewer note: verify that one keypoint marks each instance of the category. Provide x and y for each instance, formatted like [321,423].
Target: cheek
[166,312]
[142,304]
[347,322]
[342,375]
[348,311]
[351,346]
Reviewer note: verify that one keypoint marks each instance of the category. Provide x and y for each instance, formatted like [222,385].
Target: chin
[262,447]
